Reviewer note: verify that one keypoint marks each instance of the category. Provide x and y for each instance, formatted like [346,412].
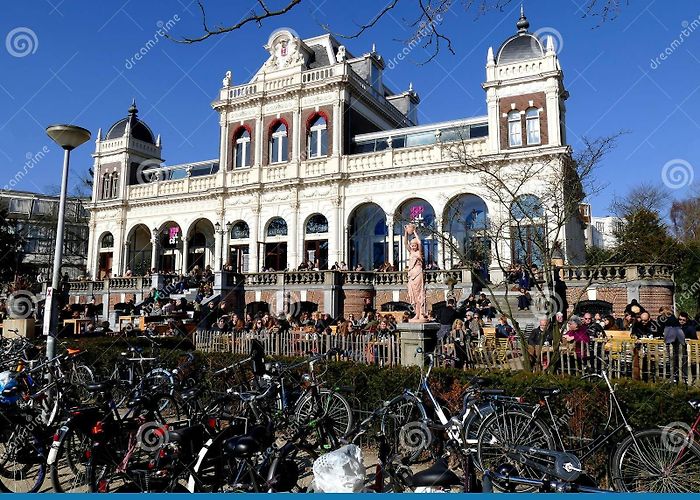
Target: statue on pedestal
[416,280]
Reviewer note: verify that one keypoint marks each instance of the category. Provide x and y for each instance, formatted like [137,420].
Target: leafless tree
[422,17]
[534,207]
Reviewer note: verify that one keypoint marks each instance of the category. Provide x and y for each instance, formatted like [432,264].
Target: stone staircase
[504,295]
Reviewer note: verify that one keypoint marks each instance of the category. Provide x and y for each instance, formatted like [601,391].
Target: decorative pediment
[286,50]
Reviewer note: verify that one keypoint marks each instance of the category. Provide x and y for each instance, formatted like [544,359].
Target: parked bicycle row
[259,426]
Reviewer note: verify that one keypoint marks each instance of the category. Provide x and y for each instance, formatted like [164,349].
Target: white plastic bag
[340,471]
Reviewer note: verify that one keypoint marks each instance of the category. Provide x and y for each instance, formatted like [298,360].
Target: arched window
[240,231]
[278,143]
[515,136]
[115,185]
[380,228]
[106,186]
[532,125]
[277,227]
[107,241]
[242,144]
[528,232]
[318,138]
[317,224]
[527,207]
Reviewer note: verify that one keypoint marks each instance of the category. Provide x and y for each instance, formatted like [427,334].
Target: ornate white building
[320,160]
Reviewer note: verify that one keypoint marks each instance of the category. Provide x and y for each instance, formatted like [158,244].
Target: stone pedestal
[24,327]
[415,335]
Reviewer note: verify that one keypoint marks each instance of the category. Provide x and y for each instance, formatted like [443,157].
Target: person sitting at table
[646,327]
[353,321]
[169,307]
[503,329]
[689,326]
[156,309]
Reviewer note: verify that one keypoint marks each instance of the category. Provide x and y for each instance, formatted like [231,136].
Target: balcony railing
[616,272]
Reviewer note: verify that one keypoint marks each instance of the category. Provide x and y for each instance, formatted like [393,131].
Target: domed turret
[521,46]
[136,128]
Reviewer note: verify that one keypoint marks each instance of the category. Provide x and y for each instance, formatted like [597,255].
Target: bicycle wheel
[332,405]
[68,466]
[404,424]
[22,460]
[657,461]
[80,376]
[292,470]
[505,429]
[158,381]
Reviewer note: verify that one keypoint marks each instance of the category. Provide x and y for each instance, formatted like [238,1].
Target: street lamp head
[217,227]
[68,136]
[229,225]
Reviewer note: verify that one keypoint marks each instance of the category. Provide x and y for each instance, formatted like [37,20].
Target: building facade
[321,161]
[33,217]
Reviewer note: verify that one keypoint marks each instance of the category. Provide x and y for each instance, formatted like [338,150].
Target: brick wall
[522,102]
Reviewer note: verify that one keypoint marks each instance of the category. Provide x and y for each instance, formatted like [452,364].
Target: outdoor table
[79,324]
[125,321]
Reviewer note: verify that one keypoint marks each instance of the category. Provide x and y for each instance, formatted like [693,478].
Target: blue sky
[75,69]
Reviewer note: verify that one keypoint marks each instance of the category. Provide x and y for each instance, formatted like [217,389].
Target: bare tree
[643,196]
[534,207]
[422,17]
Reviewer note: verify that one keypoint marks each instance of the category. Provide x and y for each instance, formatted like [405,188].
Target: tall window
[278,143]
[115,185]
[106,186]
[242,158]
[532,122]
[318,138]
[515,136]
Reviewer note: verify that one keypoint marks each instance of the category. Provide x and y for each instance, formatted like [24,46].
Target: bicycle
[528,439]
[663,460]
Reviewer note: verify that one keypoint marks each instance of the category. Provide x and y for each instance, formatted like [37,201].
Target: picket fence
[646,359]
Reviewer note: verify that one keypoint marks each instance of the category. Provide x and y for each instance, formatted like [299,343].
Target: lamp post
[68,137]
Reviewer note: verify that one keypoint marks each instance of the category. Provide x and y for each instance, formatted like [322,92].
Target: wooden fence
[646,359]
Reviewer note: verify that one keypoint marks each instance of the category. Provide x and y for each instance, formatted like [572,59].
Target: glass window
[514,129]
[317,224]
[532,122]
[454,134]
[18,206]
[277,227]
[398,142]
[420,139]
[318,138]
[43,207]
[364,147]
[478,131]
[278,144]
[106,186]
[107,241]
[242,156]
[527,206]
[240,231]
[115,185]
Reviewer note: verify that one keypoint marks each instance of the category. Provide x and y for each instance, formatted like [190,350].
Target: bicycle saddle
[189,439]
[192,393]
[259,438]
[546,391]
[437,474]
[103,386]
[695,403]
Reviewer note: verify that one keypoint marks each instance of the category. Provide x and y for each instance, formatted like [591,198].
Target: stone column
[154,253]
[218,237]
[185,254]
[254,259]
[335,226]
[293,238]
[337,117]
[125,257]
[390,226]
[413,336]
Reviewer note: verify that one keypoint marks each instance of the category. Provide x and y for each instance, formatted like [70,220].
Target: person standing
[674,337]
